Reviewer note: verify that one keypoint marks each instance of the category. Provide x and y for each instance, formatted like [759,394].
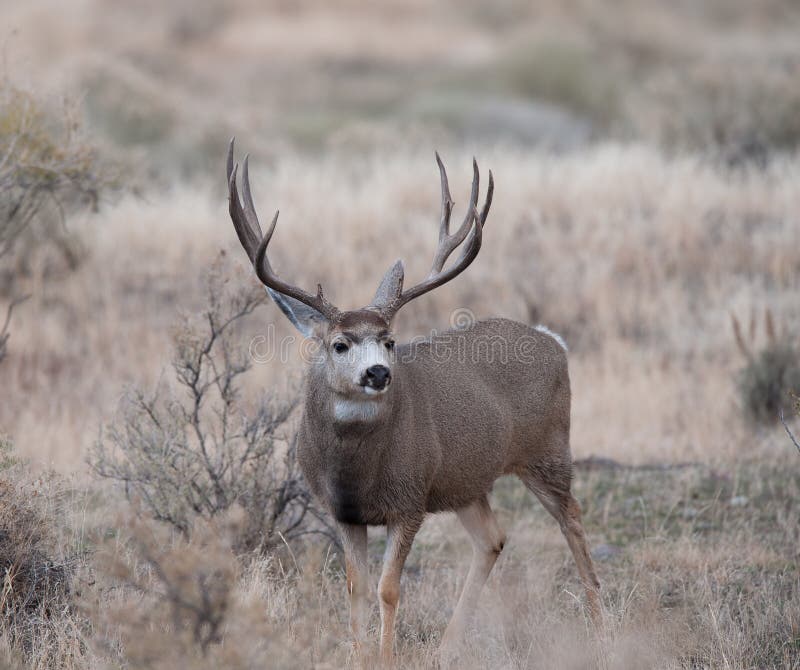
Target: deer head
[356,346]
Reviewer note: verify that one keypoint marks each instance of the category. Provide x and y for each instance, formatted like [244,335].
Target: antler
[447,242]
[255,243]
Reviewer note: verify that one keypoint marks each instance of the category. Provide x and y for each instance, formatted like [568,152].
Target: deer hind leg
[487,543]
[399,538]
[551,484]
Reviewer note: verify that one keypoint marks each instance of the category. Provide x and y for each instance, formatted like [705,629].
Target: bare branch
[789,432]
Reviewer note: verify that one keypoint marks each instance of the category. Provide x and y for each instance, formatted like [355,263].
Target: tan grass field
[616,221]
[637,259]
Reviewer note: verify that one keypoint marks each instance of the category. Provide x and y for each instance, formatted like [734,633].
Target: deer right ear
[391,286]
[303,317]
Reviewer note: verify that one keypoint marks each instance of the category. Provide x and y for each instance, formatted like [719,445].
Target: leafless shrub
[187,581]
[744,111]
[35,594]
[45,168]
[197,454]
[164,600]
[771,373]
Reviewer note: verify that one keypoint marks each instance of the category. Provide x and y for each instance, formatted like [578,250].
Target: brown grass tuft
[36,568]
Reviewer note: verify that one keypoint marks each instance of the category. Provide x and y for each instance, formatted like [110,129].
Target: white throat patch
[346,410]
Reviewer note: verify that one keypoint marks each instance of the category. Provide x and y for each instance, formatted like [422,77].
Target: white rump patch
[546,331]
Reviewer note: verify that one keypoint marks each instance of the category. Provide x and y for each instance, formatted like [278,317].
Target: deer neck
[347,445]
[349,415]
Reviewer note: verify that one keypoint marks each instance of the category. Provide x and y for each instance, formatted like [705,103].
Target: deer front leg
[399,538]
[354,539]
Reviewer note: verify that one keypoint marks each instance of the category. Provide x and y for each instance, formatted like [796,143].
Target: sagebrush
[47,167]
[190,450]
[771,375]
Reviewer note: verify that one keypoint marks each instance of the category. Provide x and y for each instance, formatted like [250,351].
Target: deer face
[359,355]
[356,348]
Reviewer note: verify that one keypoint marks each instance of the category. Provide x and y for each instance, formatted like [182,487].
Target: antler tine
[229,162]
[245,221]
[249,207]
[447,201]
[473,245]
[468,254]
[260,261]
[447,242]
[247,236]
[488,203]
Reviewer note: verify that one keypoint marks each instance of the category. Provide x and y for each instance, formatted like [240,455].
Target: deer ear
[391,286]
[306,319]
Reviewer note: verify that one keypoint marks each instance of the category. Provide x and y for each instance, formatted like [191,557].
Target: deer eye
[340,347]
[389,344]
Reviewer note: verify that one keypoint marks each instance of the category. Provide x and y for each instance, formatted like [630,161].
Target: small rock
[689,513]
[739,501]
[605,552]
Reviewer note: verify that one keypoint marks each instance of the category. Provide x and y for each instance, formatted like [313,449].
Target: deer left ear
[390,288]
[303,317]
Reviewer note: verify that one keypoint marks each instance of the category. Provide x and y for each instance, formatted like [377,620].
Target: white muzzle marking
[365,355]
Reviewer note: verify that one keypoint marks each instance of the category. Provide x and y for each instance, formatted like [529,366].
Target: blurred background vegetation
[172,81]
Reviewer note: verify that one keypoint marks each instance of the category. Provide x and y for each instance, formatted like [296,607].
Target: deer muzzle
[376,379]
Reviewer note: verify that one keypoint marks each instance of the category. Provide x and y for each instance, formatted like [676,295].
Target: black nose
[377,376]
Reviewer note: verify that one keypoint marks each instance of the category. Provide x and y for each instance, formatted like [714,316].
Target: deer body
[427,449]
[390,434]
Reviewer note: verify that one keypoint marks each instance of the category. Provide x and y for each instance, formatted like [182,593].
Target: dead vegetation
[42,160]
[192,453]
[718,77]
[786,425]
[37,568]
[698,566]
[771,377]
[46,170]
[188,582]
[644,304]
[5,333]
[636,252]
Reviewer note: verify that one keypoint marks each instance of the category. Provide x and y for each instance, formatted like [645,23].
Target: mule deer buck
[392,433]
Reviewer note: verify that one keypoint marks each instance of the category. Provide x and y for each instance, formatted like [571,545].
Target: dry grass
[698,566]
[638,259]
[39,566]
[632,239]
